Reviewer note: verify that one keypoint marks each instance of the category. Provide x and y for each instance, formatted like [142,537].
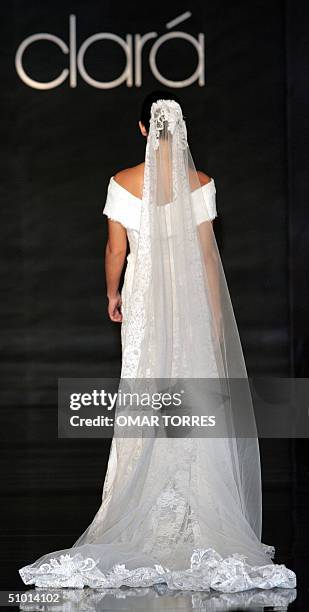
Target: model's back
[132,179]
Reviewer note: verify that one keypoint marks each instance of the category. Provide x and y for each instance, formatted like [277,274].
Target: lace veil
[181,319]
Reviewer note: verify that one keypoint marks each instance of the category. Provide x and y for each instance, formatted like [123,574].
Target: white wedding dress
[169,531]
[124,207]
[179,511]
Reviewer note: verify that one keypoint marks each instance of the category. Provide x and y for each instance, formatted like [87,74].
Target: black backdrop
[247,127]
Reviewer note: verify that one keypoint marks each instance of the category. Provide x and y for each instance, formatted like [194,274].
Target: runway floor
[160,598]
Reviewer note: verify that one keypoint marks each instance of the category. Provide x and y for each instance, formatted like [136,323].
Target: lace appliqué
[67,570]
[167,111]
[208,570]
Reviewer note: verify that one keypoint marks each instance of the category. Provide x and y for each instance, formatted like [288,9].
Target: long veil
[181,321]
[185,511]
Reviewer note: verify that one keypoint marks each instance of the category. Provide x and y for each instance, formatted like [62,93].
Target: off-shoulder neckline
[113,181]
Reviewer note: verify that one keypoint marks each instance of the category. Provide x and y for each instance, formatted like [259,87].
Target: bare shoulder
[203,178]
[131,179]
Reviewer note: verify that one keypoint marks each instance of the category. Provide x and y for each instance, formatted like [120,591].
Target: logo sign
[132,46]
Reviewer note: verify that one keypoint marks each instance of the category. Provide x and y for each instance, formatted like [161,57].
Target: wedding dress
[185,512]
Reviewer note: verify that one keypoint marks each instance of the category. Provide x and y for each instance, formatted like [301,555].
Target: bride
[181,511]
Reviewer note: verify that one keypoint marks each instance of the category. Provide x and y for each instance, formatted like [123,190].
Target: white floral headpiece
[169,111]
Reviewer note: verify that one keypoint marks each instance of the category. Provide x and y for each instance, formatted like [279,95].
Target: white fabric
[124,207]
[183,511]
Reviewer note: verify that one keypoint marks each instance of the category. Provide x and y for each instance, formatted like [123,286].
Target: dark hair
[148,101]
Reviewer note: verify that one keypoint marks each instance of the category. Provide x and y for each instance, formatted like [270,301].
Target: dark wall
[61,146]
[65,143]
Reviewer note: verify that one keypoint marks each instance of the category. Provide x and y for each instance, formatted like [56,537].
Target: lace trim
[167,111]
[208,570]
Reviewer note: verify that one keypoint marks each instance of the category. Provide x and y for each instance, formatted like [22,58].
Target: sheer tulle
[181,511]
